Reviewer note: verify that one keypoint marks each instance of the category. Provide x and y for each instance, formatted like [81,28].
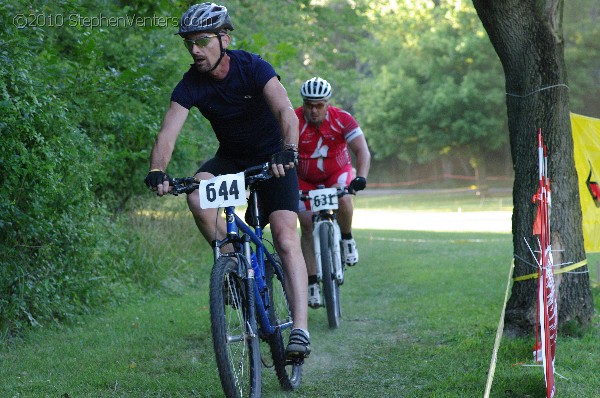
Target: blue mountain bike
[249,309]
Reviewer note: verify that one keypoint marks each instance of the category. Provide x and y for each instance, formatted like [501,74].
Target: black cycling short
[273,194]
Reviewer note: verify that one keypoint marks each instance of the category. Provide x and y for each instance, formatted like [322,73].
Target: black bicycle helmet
[316,89]
[205,17]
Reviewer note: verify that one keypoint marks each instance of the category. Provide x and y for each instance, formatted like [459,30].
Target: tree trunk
[527,36]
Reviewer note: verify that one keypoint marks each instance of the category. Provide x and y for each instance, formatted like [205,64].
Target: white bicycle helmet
[316,89]
[205,17]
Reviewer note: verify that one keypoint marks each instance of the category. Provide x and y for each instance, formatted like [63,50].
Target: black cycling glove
[285,157]
[155,178]
[358,184]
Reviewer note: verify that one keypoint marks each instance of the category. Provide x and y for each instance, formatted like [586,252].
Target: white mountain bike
[327,243]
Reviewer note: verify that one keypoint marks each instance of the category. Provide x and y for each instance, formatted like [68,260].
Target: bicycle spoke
[289,374]
[234,339]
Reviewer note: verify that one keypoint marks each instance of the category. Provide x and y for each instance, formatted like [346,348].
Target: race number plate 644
[223,191]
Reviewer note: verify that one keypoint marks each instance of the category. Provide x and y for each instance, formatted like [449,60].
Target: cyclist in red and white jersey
[326,134]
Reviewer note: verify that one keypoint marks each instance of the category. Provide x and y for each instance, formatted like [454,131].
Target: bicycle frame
[253,270]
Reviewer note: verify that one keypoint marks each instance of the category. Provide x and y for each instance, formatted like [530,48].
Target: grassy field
[420,314]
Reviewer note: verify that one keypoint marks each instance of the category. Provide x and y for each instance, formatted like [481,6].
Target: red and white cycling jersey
[323,151]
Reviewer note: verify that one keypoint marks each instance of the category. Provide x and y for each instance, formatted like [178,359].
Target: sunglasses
[200,42]
[317,105]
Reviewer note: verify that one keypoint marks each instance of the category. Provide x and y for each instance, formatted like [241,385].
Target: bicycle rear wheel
[331,288]
[289,373]
[234,333]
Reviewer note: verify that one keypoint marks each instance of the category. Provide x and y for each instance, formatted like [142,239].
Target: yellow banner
[586,137]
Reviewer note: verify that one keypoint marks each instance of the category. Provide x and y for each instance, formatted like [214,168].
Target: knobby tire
[331,290]
[289,374]
[234,333]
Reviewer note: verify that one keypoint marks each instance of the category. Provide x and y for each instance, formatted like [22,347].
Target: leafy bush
[76,131]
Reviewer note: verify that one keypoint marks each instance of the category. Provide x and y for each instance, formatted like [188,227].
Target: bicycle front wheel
[234,333]
[331,288]
[289,373]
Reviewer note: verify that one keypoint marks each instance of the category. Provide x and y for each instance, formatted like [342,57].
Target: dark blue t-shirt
[235,106]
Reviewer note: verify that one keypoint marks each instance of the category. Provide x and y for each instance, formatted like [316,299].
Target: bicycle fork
[337,254]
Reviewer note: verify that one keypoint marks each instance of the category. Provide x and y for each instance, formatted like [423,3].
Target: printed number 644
[223,191]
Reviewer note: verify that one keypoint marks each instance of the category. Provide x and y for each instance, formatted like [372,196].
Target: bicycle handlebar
[258,173]
[183,185]
[341,191]
[252,175]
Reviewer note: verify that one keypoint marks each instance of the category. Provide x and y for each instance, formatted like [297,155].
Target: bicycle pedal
[296,361]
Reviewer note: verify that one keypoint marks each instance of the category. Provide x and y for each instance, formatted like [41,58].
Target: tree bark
[527,36]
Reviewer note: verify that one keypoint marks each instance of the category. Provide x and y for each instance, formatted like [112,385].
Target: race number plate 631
[323,199]
[223,191]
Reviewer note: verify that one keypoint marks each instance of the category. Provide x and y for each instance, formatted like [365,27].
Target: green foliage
[53,231]
[582,55]
[442,93]
[79,108]
[303,39]
[334,34]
